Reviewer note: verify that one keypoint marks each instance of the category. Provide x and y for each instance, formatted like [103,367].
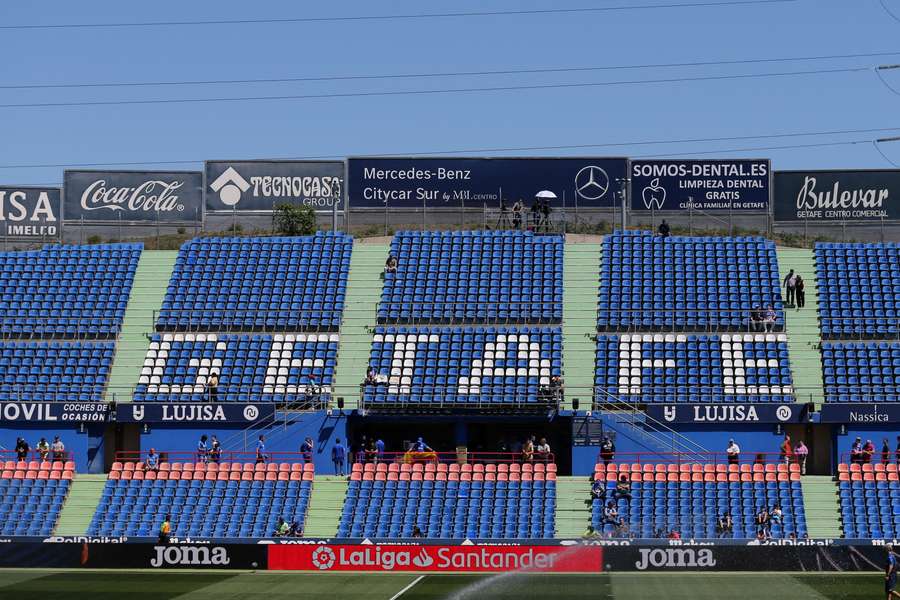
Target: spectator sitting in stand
[663,230]
[43,448]
[542,451]
[867,452]
[598,490]
[762,534]
[776,516]
[622,530]
[371,376]
[623,489]
[674,535]
[528,450]
[416,532]
[762,518]
[58,449]
[390,265]
[724,525]
[556,388]
[282,528]
[769,320]
[757,316]
[22,449]
[152,462]
[296,529]
[610,514]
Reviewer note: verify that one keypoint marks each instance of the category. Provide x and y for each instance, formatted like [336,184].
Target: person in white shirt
[542,451]
[734,452]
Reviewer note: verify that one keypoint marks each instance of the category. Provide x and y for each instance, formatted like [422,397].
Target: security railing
[651,320]
[700,462]
[883,327]
[248,320]
[224,456]
[428,456]
[24,326]
[461,397]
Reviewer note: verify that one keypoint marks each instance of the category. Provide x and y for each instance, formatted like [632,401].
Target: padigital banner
[29,212]
[708,185]
[260,185]
[476,182]
[50,412]
[151,412]
[861,413]
[728,413]
[110,196]
[823,196]
[437,558]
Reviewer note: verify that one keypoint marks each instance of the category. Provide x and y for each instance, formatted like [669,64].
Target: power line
[534,71]
[332,95]
[395,17]
[707,140]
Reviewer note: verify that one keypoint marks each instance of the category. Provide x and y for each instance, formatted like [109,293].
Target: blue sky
[442,122]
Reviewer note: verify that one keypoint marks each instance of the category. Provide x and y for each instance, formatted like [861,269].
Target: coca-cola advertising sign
[835,196]
[437,559]
[104,196]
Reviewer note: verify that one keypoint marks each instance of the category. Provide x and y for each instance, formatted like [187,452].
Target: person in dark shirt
[212,386]
[416,532]
[22,449]
[623,489]
[390,265]
[203,449]
[897,451]
[663,229]
[890,574]
[306,449]
[800,292]
[607,450]
[598,490]
[338,455]
[215,450]
[885,452]
[261,449]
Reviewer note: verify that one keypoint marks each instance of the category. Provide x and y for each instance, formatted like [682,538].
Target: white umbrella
[545,194]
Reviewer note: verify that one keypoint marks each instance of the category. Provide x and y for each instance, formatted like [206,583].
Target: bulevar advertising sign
[479,182]
[260,185]
[833,196]
[707,185]
[29,212]
[111,196]
[439,559]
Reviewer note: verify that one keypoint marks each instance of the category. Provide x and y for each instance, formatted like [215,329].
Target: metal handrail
[229,456]
[744,458]
[451,458]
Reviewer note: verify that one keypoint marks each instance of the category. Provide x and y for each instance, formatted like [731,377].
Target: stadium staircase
[150,282]
[325,505]
[364,285]
[823,508]
[581,265]
[79,507]
[573,506]
[804,336]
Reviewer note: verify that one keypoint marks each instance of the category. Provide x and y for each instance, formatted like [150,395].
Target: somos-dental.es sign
[707,185]
[823,196]
[449,559]
[111,196]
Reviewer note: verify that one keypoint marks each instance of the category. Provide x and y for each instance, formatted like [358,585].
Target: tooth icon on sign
[654,195]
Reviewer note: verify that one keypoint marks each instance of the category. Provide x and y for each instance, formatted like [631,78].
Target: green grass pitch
[167,585]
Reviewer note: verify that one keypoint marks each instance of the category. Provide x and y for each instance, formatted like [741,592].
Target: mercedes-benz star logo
[591,183]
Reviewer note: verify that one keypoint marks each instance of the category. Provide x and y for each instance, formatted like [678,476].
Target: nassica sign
[30,211]
[708,185]
[823,196]
[50,412]
[727,413]
[178,412]
[437,558]
[260,185]
[476,182]
[863,413]
[166,196]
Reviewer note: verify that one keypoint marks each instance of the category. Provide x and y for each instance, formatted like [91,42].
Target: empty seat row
[861,372]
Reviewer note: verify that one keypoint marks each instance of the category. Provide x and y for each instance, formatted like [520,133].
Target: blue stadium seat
[274,284]
[474,277]
[30,501]
[870,500]
[688,283]
[54,371]
[861,371]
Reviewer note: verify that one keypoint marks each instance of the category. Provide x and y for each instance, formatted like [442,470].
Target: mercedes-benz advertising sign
[111,196]
[260,185]
[834,196]
[477,182]
[707,185]
[30,212]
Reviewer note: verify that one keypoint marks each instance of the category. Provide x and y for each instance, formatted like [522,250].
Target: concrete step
[80,505]
[822,506]
[325,505]
[573,507]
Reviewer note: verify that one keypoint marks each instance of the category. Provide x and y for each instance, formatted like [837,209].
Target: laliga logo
[323,558]
[783,413]
[591,183]
[230,186]
[654,195]
[251,413]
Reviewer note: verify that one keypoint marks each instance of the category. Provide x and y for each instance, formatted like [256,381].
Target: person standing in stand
[338,456]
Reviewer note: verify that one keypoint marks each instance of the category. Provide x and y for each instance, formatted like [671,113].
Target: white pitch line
[407,588]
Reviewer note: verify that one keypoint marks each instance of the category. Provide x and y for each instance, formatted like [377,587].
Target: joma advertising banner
[707,185]
[28,212]
[477,182]
[437,558]
[110,196]
[184,412]
[833,196]
[260,185]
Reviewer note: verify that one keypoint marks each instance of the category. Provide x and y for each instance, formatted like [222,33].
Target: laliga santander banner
[440,559]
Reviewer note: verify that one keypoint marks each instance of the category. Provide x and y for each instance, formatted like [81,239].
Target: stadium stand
[54,371]
[870,500]
[657,368]
[474,367]
[686,283]
[474,277]
[212,500]
[251,368]
[273,284]
[690,497]
[32,494]
[470,500]
[66,291]
[861,371]
[858,289]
